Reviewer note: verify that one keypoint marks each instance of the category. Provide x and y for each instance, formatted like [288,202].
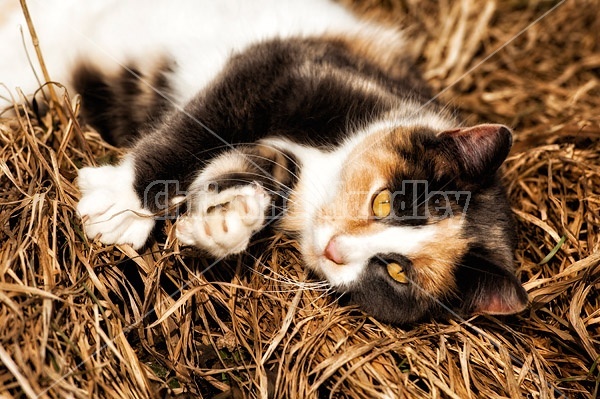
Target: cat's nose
[332,252]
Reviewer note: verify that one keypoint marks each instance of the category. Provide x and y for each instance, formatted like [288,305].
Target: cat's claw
[110,209]
[223,223]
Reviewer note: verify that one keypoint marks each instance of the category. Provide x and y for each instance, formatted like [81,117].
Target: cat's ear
[479,150]
[488,288]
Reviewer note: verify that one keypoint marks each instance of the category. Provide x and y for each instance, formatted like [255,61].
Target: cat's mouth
[329,257]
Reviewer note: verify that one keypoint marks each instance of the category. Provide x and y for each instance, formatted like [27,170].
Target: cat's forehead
[387,153]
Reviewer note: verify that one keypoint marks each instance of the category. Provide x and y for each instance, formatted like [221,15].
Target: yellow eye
[397,273]
[382,204]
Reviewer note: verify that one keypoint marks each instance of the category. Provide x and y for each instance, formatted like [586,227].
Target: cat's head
[419,225]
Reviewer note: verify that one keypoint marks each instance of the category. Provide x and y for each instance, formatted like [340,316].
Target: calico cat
[299,117]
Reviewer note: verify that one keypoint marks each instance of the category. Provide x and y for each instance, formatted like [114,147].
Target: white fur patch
[223,223]
[110,208]
[319,175]
[356,250]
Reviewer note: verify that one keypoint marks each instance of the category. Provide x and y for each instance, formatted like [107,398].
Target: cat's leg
[226,205]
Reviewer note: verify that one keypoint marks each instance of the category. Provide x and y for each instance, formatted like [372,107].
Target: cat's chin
[341,277]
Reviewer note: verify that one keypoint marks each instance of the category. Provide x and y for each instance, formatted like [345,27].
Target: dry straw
[81,320]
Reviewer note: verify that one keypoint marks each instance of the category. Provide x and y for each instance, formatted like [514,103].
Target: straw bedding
[78,319]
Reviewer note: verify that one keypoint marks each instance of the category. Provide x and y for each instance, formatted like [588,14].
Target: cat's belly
[199,36]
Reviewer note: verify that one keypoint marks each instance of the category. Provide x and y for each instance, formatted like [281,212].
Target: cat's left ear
[479,150]
[489,288]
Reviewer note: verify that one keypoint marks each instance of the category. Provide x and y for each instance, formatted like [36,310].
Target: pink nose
[332,252]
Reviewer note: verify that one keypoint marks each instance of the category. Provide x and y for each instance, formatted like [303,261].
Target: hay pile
[83,320]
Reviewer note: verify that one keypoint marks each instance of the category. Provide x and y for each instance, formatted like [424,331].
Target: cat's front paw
[222,223]
[109,207]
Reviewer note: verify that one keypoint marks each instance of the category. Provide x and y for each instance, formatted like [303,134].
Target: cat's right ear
[478,150]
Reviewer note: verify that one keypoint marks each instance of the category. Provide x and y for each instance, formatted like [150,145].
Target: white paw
[223,223]
[109,207]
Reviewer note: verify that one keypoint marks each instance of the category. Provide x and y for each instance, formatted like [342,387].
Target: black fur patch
[380,296]
[120,107]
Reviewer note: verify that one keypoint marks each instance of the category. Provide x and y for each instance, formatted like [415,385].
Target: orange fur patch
[433,267]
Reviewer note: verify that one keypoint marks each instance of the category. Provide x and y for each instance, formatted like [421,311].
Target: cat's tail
[123,103]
